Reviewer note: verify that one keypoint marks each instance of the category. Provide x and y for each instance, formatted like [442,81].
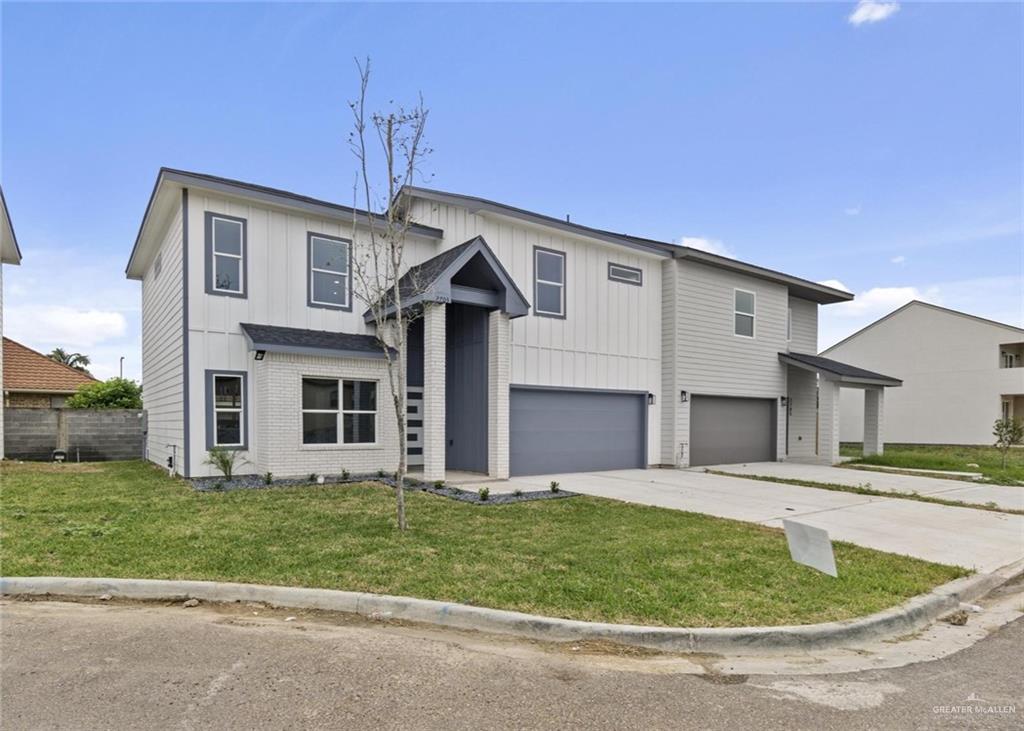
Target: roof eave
[10,252]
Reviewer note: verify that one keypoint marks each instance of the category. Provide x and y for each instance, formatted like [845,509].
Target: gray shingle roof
[844,371]
[313,342]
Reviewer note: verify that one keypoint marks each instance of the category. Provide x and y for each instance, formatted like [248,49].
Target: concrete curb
[904,619]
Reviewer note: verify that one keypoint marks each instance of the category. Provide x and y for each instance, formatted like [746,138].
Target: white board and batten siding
[162,352]
[611,335]
[276,294]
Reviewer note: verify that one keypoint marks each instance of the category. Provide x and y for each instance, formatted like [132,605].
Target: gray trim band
[186,447]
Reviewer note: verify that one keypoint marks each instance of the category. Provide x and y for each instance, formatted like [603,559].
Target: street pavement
[148,666]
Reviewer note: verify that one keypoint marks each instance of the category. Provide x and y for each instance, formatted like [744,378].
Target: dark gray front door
[727,430]
[466,388]
[566,430]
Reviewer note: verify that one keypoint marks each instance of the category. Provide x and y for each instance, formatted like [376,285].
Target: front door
[466,388]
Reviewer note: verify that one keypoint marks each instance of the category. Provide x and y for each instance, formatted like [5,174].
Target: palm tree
[75,360]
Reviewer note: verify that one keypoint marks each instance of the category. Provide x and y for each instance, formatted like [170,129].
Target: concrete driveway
[1002,496]
[976,539]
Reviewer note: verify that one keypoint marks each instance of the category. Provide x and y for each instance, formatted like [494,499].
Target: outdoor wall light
[683,397]
[260,354]
[783,400]
[650,399]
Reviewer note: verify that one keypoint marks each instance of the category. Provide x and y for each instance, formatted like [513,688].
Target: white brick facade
[434,366]
[498,376]
[277,418]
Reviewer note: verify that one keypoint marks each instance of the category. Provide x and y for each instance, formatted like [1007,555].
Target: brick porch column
[828,421]
[873,419]
[434,360]
[499,370]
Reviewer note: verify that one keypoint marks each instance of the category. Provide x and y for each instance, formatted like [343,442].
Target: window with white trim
[329,272]
[625,274]
[549,282]
[228,411]
[743,313]
[227,253]
[326,417]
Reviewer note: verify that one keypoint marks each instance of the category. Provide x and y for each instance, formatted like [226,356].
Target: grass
[866,489]
[584,558]
[939,457]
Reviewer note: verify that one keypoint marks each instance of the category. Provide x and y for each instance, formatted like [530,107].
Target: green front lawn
[937,457]
[581,557]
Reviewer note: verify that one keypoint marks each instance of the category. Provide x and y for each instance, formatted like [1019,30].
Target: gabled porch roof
[469,273]
[833,370]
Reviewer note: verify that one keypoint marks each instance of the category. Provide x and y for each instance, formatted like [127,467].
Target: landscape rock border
[454,492]
[905,619]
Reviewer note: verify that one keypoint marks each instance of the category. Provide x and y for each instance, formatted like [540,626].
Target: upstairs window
[625,274]
[548,282]
[225,255]
[743,315]
[330,278]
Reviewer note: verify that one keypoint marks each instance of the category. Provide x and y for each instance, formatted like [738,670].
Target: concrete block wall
[88,435]
[278,446]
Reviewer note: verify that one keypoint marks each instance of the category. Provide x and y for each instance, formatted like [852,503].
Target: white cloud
[852,210]
[870,11]
[63,325]
[898,259]
[836,284]
[712,246]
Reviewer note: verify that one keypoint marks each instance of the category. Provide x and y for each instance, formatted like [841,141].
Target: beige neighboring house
[9,254]
[34,381]
[960,374]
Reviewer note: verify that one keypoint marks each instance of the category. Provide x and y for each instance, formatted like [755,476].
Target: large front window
[325,417]
[329,275]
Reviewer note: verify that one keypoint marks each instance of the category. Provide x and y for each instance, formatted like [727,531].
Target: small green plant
[1008,433]
[312,476]
[554,486]
[268,478]
[438,484]
[218,486]
[381,473]
[223,460]
[344,474]
[484,493]
[517,492]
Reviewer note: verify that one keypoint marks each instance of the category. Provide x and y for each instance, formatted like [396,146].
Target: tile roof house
[543,346]
[31,380]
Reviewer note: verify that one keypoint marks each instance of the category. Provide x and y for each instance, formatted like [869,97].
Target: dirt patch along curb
[907,618]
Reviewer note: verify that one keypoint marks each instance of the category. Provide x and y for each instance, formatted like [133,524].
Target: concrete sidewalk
[1002,496]
[977,539]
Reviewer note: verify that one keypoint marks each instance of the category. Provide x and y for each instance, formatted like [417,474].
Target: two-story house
[960,373]
[9,254]
[544,346]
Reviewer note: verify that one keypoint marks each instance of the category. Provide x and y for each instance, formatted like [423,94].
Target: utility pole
[121,367]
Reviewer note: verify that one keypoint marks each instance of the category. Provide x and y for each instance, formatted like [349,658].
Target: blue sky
[885,154]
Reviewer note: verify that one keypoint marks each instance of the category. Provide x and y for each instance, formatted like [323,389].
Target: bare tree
[378,264]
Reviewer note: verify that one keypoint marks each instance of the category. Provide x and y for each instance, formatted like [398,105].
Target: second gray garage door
[553,431]
[729,430]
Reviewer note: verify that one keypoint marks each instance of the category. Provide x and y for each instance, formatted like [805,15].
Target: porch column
[434,360]
[499,369]
[873,416]
[828,421]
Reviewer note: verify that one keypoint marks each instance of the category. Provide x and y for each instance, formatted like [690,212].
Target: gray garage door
[729,430]
[554,431]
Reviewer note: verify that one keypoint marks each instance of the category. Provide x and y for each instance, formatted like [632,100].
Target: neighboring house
[9,254]
[960,373]
[545,346]
[34,381]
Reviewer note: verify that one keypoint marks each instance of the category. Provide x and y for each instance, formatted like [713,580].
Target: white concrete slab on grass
[976,539]
[1002,496]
